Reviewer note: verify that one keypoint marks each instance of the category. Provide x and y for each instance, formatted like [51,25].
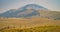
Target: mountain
[31,10]
[26,11]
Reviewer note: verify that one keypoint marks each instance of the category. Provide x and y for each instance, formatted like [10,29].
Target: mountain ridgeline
[31,10]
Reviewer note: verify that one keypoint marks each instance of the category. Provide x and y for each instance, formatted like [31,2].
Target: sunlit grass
[29,25]
[35,29]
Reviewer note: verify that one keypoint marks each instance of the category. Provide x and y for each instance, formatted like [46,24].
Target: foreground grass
[34,29]
[21,25]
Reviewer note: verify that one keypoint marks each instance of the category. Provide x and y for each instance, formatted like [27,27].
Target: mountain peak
[34,6]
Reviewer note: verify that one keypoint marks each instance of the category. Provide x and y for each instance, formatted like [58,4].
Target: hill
[31,10]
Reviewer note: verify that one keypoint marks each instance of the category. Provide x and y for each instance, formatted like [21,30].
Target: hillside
[50,14]
[31,10]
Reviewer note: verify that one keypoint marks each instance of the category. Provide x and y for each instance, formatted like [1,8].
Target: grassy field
[34,29]
[29,25]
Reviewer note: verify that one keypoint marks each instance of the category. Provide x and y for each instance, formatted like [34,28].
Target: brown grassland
[29,25]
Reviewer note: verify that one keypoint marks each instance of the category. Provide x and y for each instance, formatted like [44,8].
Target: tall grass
[33,29]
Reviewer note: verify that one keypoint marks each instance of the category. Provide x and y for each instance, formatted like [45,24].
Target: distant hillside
[50,14]
[25,11]
[31,10]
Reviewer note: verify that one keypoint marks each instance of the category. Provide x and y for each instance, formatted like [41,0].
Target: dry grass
[34,29]
[21,23]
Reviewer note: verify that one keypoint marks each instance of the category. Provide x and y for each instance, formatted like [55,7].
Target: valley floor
[29,25]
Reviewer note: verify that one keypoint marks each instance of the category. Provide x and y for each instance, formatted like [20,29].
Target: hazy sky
[14,4]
